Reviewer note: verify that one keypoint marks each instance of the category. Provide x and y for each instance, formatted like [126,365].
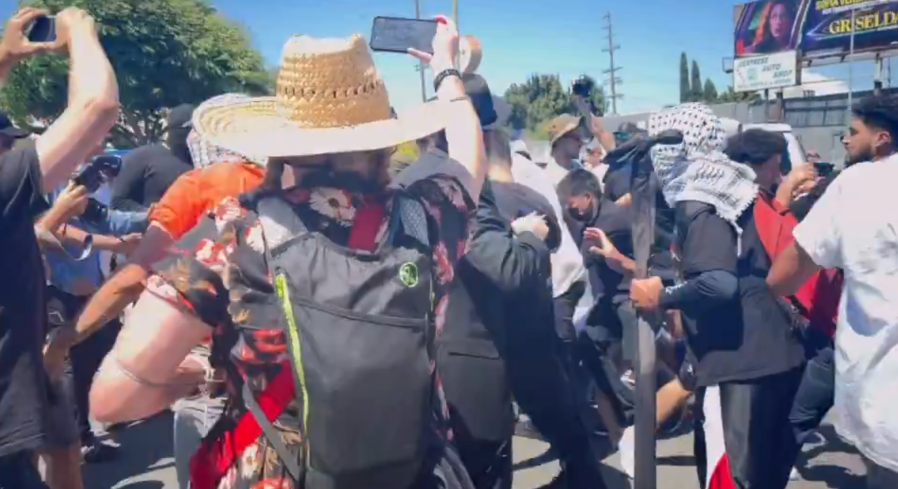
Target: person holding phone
[26,174]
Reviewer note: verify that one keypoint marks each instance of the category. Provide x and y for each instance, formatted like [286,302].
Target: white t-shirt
[854,226]
[567,262]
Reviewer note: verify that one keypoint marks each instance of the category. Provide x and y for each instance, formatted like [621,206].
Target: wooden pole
[643,190]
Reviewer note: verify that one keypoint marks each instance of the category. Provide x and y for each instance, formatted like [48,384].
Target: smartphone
[100,168]
[397,35]
[582,87]
[43,29]
[824,169]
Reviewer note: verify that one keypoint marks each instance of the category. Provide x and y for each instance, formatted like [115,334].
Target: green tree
[165,52]
[542,97]
[696,91]
[732,96]
[709,92]
[685,94]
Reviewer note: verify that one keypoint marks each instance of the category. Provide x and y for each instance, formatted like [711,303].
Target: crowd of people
[319,315]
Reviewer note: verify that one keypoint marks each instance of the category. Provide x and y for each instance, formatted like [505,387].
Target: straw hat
[204,154]
[561,125]
[329,99]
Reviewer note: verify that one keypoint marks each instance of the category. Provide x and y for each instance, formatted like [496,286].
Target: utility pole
[613,79]
[455,14]
[421,63]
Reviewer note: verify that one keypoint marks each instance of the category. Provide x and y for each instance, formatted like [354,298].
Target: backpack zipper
[280,285]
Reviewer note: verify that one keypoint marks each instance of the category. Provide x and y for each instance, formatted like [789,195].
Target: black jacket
[503,280]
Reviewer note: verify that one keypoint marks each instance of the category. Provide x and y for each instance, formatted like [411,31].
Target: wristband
[438,80]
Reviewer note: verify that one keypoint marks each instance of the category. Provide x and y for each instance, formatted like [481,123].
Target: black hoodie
[148,171]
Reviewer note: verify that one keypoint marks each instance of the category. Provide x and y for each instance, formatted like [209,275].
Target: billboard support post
[877,75]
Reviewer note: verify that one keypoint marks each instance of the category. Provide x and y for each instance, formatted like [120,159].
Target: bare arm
[143,374]
[463,132]
[122,288]
[47,226]
[92,106]
[792,268]
[70,235]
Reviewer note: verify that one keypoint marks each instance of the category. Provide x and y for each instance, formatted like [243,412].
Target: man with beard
[853,227]
[148,171]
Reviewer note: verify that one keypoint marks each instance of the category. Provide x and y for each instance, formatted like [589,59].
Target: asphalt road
[145,462]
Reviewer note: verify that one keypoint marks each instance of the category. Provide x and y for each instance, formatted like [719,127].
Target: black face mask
[580,215]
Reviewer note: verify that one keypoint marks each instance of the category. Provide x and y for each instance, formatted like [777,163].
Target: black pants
[565,305]
[815,394]
[760,446]
[540,378]
[86,358]
[489,464]
[18,471]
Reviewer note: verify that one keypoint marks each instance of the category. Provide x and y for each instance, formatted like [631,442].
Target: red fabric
[211,462]
[819,296]
[368,219]
[721,478]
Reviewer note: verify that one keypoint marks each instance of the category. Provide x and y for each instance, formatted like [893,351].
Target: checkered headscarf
[697,169]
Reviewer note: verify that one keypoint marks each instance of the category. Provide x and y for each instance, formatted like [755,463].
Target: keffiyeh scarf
[697,169]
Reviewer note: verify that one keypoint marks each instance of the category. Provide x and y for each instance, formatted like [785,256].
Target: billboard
[827,26]
[768,26]
[765,71]
[815,27]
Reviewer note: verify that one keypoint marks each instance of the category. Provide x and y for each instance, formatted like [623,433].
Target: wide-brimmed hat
[329,99]
[204,154]
[562,125]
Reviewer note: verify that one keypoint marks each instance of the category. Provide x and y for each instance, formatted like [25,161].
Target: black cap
[8,129]
[629,128]
[181,116]
[490,110]
[481,98]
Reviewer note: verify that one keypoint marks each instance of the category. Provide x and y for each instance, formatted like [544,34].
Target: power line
[613,79]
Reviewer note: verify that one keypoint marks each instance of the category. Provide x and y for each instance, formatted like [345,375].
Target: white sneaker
[627,448]
[794,475]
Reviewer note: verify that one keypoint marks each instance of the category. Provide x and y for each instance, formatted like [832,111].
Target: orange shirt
[198,191]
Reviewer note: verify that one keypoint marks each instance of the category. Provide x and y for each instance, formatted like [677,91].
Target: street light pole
[455,13]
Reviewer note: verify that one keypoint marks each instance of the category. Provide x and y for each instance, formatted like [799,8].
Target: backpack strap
[409,213]
[279,222]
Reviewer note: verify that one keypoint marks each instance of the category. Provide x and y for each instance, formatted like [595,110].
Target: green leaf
[164,52]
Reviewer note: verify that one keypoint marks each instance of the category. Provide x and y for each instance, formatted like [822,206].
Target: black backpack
[360,333]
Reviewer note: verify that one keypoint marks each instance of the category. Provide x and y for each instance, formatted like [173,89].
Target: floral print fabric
[219,273]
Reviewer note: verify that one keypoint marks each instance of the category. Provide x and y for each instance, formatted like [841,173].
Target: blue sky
[530,36]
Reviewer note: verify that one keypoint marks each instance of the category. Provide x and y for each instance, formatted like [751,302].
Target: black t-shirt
[617,224]
[743,339]
[514,200]
[619,183]
[23,315]
[147,172]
